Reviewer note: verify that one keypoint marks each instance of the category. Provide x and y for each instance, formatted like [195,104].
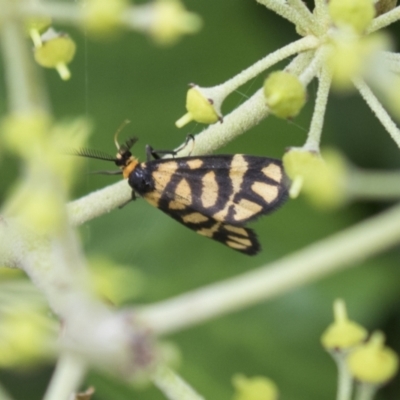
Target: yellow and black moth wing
[214,195]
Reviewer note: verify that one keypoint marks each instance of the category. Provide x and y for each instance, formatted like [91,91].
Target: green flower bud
[103,17]
[355,13]
[322,179]
[116,283]
[27,336]
[56,52]
[171,21]
[23,133]
[285,94]
[343,333]
[200,109]
[373,362]
[256,388]
[352,55]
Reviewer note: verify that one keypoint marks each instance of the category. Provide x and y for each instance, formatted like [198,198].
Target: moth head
[124,156]
[123,159]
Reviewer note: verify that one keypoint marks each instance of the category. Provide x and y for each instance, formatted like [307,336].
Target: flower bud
[343,333]
[200,109]
[372,362]
[103,17]
[256,388]
[285,94]
[57,51]
[322,179]
[357,14]
[171,21]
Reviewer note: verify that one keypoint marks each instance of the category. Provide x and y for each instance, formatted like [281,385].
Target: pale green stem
[373,185]
[173,386]
[3,394]
[220,92]
[299,63]
[67,377]
[16,291]
[99,203]
[345,380]
[365,391]
[378,109]
[321,12]
[303,44]
[384,20]
[138,17]
[342,250]
[286,12]
[24,90]
[317,121]
[304,13]
[393,60]
[313,67]
[67,13]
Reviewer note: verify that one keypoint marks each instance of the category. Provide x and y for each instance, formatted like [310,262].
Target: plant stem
[289,13]
[317,121]
[377,109]
[373,185]
[173,386]
[23,86]
[303,44]
[3,394]
[67,377]
[384,20]
[365,391]
[342,250]
[345,380]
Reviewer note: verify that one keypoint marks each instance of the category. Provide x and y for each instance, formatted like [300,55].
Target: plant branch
[68,375]
[90,328]
[366,391]
[304,13]
[303,44]
[342,250]
[317,121]
[4,395]
[377,109]
[289,13]
[373,185]
[24,89]
[173,386]
[393,60]
[384,20]
[345,380]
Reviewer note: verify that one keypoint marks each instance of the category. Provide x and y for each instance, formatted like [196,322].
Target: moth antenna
[121,127]
[90,153]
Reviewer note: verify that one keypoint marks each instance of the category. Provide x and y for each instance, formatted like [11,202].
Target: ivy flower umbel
[340,47]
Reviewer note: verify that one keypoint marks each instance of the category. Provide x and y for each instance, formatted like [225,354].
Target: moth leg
[151,154]
[189,138]
[156,154]
[133,198]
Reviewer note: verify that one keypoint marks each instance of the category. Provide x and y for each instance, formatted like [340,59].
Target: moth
[214,195]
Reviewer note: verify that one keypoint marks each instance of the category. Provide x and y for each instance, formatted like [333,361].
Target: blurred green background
[133,78]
